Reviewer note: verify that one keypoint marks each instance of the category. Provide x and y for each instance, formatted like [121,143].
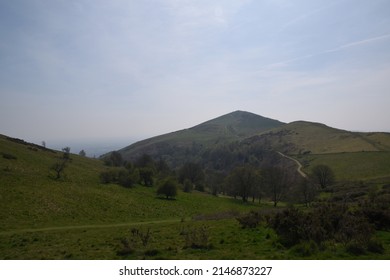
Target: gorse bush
[196,238]
[327,222]
[250,220]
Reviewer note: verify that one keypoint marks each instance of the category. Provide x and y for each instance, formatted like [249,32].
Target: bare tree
[61,163]
[277,181]
[307,190]
[58,168]
[324,175]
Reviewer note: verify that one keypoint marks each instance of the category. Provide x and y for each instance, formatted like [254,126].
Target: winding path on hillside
[18,231]
[299,169]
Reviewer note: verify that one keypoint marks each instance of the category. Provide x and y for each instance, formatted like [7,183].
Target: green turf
[352,166]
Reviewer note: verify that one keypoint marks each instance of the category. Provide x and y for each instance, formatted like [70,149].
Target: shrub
[250,220]
[108,176]
[289,225]
[375,246]
[305,249]
[151,253]
[355,248]
[121,176]
[9,156]
[328,222]
[197,238]
[354,228]
[126,249]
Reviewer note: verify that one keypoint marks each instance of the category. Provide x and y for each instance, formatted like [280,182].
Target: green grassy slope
[307,137]
[353,166]
[30,199]
[227,128]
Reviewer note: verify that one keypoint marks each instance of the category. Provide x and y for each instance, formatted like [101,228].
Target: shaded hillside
[189,144]
[302,137]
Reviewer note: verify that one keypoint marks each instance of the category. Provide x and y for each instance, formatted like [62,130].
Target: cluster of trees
[143,171]
[250,179]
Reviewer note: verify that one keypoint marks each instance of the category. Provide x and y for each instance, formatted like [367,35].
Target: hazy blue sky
[99,69]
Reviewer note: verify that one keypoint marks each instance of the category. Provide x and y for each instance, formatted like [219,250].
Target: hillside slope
[303,137]
[175,146]
[30,199]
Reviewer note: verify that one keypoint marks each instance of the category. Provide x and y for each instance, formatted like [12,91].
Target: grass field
[366,166]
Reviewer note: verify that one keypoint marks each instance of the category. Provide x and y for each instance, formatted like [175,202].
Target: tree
[82,153]
[61,163]
[187,186]
[44,144]
[277,181]
[243,180]
[193,172]
[168,188]
[113,159]
[307,191]
[145,161]
[324,175]
[146,176]
[58,168]
[66,154]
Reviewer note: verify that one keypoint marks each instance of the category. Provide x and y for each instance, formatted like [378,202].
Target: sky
[123,70]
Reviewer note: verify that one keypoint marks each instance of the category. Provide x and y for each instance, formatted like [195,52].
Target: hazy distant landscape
[91,147]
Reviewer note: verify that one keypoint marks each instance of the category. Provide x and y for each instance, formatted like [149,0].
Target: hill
[302,137]
[188,144]
[240,137]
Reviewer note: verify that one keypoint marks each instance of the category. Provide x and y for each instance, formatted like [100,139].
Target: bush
[151,253]
[108,176]
[354,228]
[197,238]
[126,248]
[377,212]
[328,222]
[289,225]
[305,249]
[121,176]
[9,156]
[375,246]
[168,188]
[251,220]
[355,248]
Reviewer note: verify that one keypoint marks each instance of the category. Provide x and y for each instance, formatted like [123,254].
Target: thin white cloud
[337,49]
[357,43]
[305,16]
